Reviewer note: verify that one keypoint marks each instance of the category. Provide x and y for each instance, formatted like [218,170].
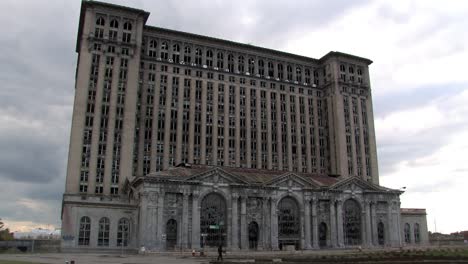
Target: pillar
[185,223]
[307,224]
[195,222]
[235,223]
[368,224]
[315,237]
[243,225]
[339,222]
[332,224]
[160,243]
[274,225]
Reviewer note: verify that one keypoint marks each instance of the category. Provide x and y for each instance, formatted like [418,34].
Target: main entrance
[253,235]
[288,223]
[213,221]
[352,223]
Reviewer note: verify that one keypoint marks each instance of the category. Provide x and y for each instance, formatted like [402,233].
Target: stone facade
[182,141]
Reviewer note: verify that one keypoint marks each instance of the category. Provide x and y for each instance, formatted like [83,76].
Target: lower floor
[216,210]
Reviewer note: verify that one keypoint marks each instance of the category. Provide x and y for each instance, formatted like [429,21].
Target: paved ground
[56,258]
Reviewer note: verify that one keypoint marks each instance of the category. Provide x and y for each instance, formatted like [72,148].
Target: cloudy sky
[419,82]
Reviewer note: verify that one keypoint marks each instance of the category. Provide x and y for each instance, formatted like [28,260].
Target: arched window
[100,21]
[127,35]
[417,237]
[176,53]
[288,222]
[280,71]
[352,223]
[103,233]
[187,54]
[164,51]
[171,234]
[114,23]
[198,56]
[123,232]
[271,70]
[298,74]
[127,26]
[289,73]
[251,66]
[381,233]
[240,64]
[99,30]
[407,233]
[213,220]
[231,63]
[113,31]
[209,58]
[351,70]
[220,60]
[152,49]
[85,231]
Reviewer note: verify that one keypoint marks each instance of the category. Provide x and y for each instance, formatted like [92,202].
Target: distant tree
[5,233]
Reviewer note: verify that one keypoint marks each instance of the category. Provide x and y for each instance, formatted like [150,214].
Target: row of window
[103,238]
[229,62]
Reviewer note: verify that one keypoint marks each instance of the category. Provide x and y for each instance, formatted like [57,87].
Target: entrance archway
[213,216]
[253,235]
[352,223]
[288,223]
[322,234]
[171,234]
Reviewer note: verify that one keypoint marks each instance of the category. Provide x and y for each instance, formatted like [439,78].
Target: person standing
[220,252]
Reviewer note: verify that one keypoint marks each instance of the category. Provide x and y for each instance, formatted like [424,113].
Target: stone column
[307,223]
[278,131]
[389,233]
[274,225]
[243,225]
[374,220]
[160,243]
[332,224]
[339,222]
[143,217]
[185,224]
[315,237]
[368,224]
[195,222]
[264,229]
[235,223]
[308,126]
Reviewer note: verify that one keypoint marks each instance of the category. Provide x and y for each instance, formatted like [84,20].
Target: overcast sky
[419,83]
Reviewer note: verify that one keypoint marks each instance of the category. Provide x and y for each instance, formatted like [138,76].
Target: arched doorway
[322,234]
[213,220]
[381,233]
[352,223]
[253,235]
[171,234]
[288,223]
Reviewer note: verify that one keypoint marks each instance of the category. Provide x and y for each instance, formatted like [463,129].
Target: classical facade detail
[182,141]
